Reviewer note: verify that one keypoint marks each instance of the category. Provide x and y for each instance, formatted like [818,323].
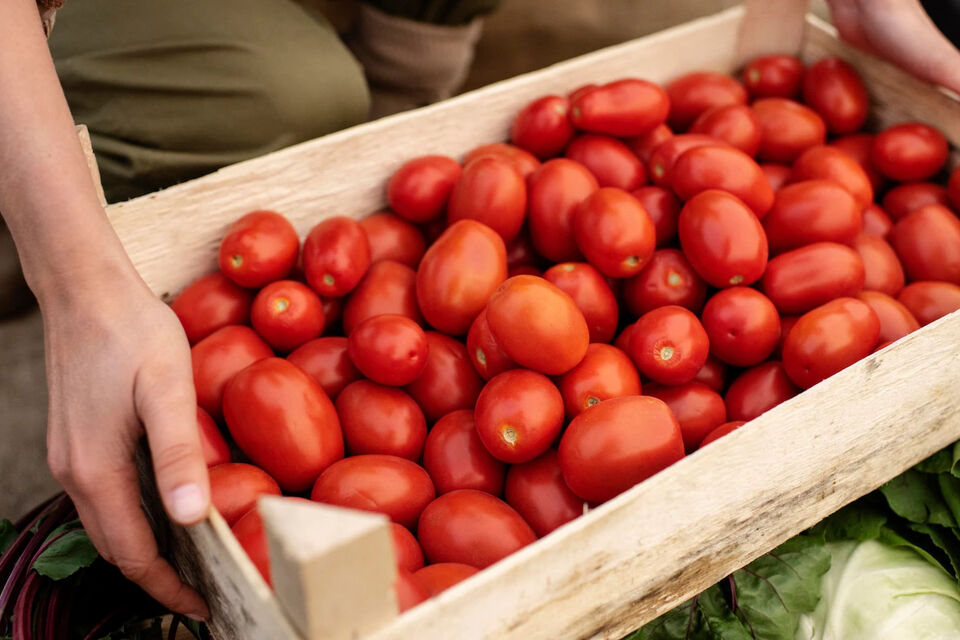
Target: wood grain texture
[770,27]
[84,135]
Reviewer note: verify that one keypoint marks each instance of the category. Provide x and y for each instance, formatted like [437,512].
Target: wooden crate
[636,556]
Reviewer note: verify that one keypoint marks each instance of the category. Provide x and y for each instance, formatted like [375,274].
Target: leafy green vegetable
[916,496]
[72,552]
[8,533]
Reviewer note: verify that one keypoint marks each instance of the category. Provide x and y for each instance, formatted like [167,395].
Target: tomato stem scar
[666,353]
[236,260]
[481,357]
[737,279]
[281,304]
[674,279]
[509,434]
[328,279]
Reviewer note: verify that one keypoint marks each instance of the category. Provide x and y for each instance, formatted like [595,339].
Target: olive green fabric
[174,89]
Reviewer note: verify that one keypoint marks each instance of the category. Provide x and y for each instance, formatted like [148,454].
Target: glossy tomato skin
[669,345]
[379,419]
[743,326]
[859,146]
[668,279]
[210,303]
[249,532]
[614,445]
[722,239]
[420,188]
[484,350]
[773,77]
[235,487]
[448,381]
[735,124]
[788,129]
[722,430]
[287,314]
[927,242]
[408,590]
[537,491]
[693,93]
[283,422]
[896,320]
[644,145]
[258,248]
[336,254]
[543,127]
[757,390]
[605,372]
[614,232]
[804,278]
[623,108]
[777,174]
[724,168]
[812,211]
[458,274]
[519,414]
[555,191]
[395,487]
[592,295]
[326,361]
[829,338]
[387,287]
[929,301]
[834,90]
[490,191]
[215,449]
[713,373]
[609,160]
[665,156]
[830,163]
[389,349]
[406,548]
[876,222]
[455,457]
[218,357]
[882,269]
[664,210]
[697,408]
[909,151]
[907,198]
[520,159]
[472,528]
[392,238]
[332,311]
[553,336]
[439,577]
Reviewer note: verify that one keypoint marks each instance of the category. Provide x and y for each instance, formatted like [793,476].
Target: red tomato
[953,189]
[722,239]
[830,163]
[812,211]
[623,108]
[448,382]
[406,548]
[909,151]
[378,419]
[664,210]
[609,160]
[215,449]
[667,279]
[697,408]
[788,129]
[455,457]
[834,90]
[520,252]
[287,314]
[409,592]
[614,445]
[543,127]
[484,350]
[439,577]
[614,232]
[392,238]
[907,198]
[757,390]
[249,532]
[828,339]
[804,278]
[723,168]
[523,161]
[669,345]
[882,269]
[332,310]
[283,421]
[458,274]
[693,93]
[552,336]
[387,287]
[776,174]
[743,326]
[713,373]
[644,145]
[722,430]
[490,191]
[327,362]
[336,254]
[929,301]
[259,248]
[858,146]
[555,191]
[210,303]
[605,372]
[665,156]
[623,340]
[896,320]
[591,294]
[876,222]
[235,487]
[473,528]
[419,189]
[218,357]
[519,414]
[732,123]
[395,487]
[928,244]
[537,491]
[773,77]
[389,349]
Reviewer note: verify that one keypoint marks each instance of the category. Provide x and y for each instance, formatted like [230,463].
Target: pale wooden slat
[84,135]
[771,27]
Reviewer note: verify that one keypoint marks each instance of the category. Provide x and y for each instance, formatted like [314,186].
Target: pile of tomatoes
[530,332]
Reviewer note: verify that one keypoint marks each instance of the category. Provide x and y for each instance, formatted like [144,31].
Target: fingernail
[187,503]
[195,617]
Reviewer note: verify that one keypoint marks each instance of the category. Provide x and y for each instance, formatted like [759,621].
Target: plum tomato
[669,345]
[249,532]
[644,145]
[389,349]
[624,108]
[664,210]
[777,174]
[882,269]
[484,350]
[833,88]
[812,211]
[605,372]
[665,156]
[776,76]
[609,160]
[828,339]
[332,311]
[472,528]
[858,146]
[210,303]
[929,301]
[408,591]
[667,279]
[395,487]
[713,373]
[953,189]
[439,577]
[326,361]
[697,408]
[392,238]
[215,448]
[455,457]
[235,487]
[387,287]
[614,232]
[592,295]
[379,419]
[909,151]
[876,222]
[420,188]
[623,340]
[722,430]
[537,491]
[522,160]
[830,163]
[543,127]
[490,191]
[735,124]
[788,129]
[336,254]
[907,198]
[927,242]
[896,320]
[693,93]
[799,280]
[724,168]
[406,548]
[743,326]
[259,248]
[287,314]
[218,357]
[519,414]
[555,190]
[448,382]
[614,445]
[757,390]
